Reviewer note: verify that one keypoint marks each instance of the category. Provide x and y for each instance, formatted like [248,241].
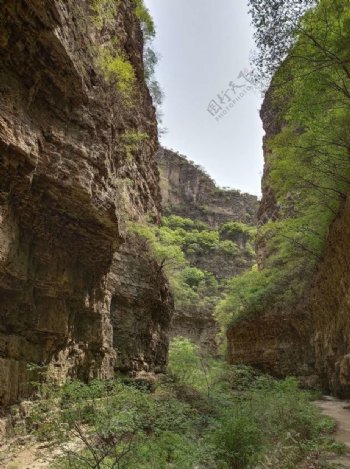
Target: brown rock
[71,281]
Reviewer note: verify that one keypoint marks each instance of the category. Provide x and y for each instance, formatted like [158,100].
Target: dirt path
[340,412]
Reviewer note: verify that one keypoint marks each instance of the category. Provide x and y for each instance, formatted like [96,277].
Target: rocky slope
[187,191]
[77,294]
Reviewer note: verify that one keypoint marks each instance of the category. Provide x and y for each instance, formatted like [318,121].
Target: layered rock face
[187,191]
[77,294]
[311,339]
[330,308]
[279,341]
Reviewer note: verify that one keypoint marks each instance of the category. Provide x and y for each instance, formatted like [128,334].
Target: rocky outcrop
[330,307]
[311,340]
[187,191]
[77,294]
[277,342]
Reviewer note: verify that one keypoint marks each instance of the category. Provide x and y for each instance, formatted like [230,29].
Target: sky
[203,47]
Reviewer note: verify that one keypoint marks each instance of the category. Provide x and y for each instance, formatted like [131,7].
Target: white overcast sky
[204,44]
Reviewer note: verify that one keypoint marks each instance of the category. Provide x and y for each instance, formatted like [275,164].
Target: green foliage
[174,221]
[114,64]
[193,276]
[184,360]
[150,57]
[276,23]
[204,413]
[237,440]
[309,166]
[171,244]
[104,10]
[247,294]
[132,141]
[118,69]
[169,255]
[235,228]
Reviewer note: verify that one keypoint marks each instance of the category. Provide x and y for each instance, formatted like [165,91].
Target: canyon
[81,295]
[188,192]
[149,317]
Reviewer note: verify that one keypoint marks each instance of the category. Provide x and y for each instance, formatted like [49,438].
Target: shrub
[174,222]
[247,293]
[193,276]
[132,141]
[204,414]
[118,69]
[233,228]
[103,10]
[236,440]
[184,360]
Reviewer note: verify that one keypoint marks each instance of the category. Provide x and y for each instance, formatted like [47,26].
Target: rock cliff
[188,192]
[78,295]
[329,308]
[309,338]
[277,341]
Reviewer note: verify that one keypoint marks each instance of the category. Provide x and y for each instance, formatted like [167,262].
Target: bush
[103,10]
[118,69]
[204,414]
[174,222]
[184,361]
[233,228]
[193,276]
[236,440]
[246,294]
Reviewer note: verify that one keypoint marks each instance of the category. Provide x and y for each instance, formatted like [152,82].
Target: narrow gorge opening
[159,312]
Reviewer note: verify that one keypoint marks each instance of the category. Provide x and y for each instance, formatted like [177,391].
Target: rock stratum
[188,191]
[78,295]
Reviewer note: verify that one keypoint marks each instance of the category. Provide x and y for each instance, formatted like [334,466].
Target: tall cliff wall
[279,340]
[330,308]
[77,293]
[311,340]
[301,323]
[187,191]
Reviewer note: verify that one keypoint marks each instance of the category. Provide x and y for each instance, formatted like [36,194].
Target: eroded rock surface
[330,308]
[76,293]
[189,192]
